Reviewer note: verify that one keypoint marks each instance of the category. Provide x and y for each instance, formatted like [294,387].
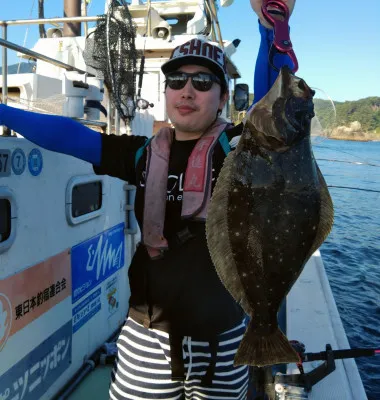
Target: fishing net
[48,105]
[110,50]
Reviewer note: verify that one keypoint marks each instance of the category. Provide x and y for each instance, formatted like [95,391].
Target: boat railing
[38,21]
[35,55]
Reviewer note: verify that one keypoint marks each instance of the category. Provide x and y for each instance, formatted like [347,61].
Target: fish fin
[259,349]
[218,240]
[326,219]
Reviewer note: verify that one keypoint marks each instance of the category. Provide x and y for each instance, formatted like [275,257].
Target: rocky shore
[354,132]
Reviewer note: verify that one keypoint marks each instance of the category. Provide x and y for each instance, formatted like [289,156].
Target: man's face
[191,111]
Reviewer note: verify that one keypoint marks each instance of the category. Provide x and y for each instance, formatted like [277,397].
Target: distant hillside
[365,111]
[355,120]
[24,68]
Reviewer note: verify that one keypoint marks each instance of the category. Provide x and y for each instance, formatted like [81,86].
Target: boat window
[8,218]
[5,219]
[13,93]
[84,199]
[87,198]
[172,21]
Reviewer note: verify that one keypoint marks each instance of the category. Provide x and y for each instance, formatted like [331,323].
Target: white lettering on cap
[197,47]
[219,56]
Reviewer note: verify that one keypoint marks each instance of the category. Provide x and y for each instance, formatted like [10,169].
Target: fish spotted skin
[269,212]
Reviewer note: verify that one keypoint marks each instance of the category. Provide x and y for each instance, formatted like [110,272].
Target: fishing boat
[67,236]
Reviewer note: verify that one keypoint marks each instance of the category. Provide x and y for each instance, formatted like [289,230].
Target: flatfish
[269,212]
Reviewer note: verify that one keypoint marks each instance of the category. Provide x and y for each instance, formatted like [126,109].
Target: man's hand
[256,5]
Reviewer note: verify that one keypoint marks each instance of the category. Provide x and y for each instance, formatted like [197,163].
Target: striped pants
[142,369]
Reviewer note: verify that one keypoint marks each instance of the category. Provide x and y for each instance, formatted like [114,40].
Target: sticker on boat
[5,319]
[86,309]
[31,293]
[96,259]
[112,294]
[18,161]
[33,375]
[35,162]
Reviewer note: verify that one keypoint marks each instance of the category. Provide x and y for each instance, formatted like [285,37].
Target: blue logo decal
[18,161]
[32,376]
[96,259]
[86,309]
[35,162]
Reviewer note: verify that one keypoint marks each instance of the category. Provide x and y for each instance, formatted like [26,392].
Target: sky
[337,42]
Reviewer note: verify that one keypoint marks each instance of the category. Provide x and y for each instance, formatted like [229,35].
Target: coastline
[351,139]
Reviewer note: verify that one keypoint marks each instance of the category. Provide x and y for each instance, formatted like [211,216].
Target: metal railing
[9,45]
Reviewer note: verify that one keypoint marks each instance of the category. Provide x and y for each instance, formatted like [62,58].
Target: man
[182,322]
[183,327]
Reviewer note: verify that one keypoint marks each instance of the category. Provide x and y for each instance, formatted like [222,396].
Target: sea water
[351,253]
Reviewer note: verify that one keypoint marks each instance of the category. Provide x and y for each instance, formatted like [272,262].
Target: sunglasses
[201,81]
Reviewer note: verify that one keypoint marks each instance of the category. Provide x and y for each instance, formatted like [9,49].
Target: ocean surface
[351,253]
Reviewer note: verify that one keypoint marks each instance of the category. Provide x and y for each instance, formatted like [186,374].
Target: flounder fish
[269,212]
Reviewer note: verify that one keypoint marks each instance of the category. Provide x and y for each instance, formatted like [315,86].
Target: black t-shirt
[182,290]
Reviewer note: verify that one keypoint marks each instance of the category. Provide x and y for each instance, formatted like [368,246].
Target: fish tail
[259,349]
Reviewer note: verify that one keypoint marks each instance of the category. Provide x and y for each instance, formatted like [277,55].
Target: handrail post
[109,114]
[5,66]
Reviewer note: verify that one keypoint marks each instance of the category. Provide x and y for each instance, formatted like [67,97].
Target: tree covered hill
[354,120]
[365,111]
[24,68]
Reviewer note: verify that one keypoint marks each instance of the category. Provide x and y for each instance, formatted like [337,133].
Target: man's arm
[55,133]
[118,156]
[110,154]
[265,75]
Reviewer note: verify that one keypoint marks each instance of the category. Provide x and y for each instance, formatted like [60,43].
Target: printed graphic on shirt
[175,186]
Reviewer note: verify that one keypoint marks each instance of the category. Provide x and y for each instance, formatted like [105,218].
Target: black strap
[208,377]
[176,355]
[184,236]
[96,104]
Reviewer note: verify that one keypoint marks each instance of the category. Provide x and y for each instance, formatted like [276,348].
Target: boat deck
[312,318]
[94,386]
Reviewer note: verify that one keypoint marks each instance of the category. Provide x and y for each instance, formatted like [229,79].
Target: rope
[344,152]
[363,162]
[349,162]
[26,34]
[353,188]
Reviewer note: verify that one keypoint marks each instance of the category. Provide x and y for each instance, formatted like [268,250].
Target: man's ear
[223,99]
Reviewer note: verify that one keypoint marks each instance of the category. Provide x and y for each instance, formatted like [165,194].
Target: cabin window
[5,219]
[86,198]
[13,93]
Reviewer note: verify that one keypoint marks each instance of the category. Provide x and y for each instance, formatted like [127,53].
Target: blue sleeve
[55,133]
[265,75]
